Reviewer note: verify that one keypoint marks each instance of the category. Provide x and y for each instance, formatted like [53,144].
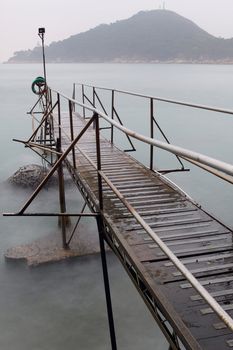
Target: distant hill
[148,36]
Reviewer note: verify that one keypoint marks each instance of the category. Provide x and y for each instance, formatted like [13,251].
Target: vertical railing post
[72,133]
[112,115]
[74,95]
[98,155]
[83,99]
[62,219]
[93,97]
[100,225]
[51,106]
[59,114]
[151,133]
[51,124]
[50,98]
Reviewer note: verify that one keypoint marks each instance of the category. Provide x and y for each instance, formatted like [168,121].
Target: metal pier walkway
[202,243]
[178,256]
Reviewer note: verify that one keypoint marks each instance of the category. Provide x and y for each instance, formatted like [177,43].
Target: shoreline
[177,62]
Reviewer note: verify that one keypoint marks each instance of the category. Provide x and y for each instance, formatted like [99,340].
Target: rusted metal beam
[56,165]
[77,223]
[53,214]
[43,120]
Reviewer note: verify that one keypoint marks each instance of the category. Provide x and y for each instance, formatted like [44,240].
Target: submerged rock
[31,176]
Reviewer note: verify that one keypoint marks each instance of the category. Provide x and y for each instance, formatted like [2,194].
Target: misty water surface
[62,305]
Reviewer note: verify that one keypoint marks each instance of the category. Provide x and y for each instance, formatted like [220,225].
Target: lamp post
[41,32]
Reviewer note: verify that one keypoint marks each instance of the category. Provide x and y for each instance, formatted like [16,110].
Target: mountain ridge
[148,36]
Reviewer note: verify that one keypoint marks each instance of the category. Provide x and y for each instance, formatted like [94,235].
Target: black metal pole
[93,93]
[62,220]
[112,115]
[101,240]
[98,155]
[83,99]
[41,35]
[106,284]
[74,96]
[151,133]
[72,132]
[59,114]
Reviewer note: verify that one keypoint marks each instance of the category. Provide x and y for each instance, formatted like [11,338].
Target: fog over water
[62,305]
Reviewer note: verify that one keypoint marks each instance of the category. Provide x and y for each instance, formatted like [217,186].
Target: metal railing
[161,99]
[189,155]
[153,120]
[115,115]
[209,164]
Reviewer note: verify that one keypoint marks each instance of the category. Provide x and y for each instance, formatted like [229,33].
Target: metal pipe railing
[179,151]
[162,99]
[152,118]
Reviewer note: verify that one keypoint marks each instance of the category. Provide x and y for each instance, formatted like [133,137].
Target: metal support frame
[54,168]
[43,120]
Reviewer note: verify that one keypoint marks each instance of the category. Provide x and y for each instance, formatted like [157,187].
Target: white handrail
[162,99]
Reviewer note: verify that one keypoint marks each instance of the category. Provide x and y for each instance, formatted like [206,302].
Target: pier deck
[202,243]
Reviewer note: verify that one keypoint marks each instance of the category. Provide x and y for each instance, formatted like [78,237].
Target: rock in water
[30,176]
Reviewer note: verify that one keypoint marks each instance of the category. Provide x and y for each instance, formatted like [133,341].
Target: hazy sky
[20,19]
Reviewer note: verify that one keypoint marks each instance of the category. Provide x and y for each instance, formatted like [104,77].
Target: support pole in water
[106,284]
[62,220]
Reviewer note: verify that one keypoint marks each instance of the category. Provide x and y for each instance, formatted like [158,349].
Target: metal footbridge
[179,257]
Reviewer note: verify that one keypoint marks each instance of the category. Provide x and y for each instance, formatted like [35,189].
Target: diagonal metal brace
[55,166]
[45,117]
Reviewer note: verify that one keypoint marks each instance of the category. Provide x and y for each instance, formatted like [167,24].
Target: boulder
[31,176]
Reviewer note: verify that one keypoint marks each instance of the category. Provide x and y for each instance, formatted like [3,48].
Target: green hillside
[149,36]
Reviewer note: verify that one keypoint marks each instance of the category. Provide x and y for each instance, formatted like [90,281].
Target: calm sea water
[62,305]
